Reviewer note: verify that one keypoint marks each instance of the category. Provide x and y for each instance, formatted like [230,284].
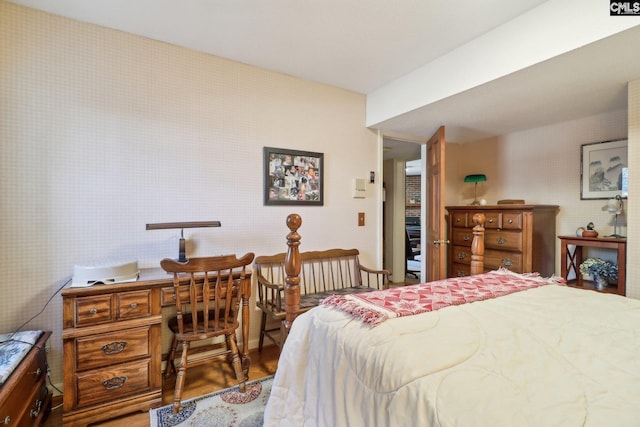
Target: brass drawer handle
[466,238]
[93,311]
[490,220]
[507,262]
[113,383]
[460,274]
[35,412]
[7,420]
[501,240]
[114,347]
[510,221]
[462,255]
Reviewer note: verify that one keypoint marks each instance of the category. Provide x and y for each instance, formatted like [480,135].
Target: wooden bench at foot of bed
[315,275]
[293,261]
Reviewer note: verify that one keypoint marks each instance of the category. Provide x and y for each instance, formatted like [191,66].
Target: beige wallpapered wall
[103,132]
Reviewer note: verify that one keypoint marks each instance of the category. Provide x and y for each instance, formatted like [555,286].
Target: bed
[542,355]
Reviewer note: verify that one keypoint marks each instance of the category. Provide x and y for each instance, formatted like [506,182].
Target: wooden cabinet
[112,346]
[520,238]
[571,260]
[24,397]
[112,352]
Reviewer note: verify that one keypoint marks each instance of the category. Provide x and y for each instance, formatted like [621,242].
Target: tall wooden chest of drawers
[521,238]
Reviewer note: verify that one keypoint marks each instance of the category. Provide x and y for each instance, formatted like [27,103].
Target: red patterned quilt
[375,307]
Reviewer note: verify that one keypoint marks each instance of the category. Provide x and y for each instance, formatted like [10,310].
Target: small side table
[571,260]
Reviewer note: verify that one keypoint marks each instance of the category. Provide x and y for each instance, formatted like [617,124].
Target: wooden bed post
[292,264]
[477,246]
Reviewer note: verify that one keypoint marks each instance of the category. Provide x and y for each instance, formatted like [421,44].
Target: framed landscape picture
[293,177]
[603,169]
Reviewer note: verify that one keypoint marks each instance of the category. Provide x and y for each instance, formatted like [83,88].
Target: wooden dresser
[520,238]
[112,343]
[25,399]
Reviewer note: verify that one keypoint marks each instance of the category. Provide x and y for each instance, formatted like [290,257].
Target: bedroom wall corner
[633,201]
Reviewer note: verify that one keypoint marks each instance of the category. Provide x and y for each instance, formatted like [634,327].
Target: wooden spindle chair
[207,308]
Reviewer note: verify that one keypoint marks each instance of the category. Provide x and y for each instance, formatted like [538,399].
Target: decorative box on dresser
[518,237]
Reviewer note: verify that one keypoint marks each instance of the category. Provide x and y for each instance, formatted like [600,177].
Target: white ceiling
[362,45]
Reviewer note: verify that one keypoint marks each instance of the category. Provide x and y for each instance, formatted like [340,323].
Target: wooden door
[436,231]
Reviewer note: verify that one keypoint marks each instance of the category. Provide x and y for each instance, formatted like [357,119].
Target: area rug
[228,408]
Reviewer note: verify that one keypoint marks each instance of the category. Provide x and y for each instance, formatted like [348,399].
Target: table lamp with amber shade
[476,178]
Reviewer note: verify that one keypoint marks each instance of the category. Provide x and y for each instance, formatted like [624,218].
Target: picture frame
[603,169]
[293,177]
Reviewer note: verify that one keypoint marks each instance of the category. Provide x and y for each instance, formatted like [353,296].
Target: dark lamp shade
[475,178]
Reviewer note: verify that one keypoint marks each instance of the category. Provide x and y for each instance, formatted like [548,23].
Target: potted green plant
[603,272]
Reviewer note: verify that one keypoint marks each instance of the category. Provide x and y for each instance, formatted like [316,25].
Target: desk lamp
[475,179]
[182,256]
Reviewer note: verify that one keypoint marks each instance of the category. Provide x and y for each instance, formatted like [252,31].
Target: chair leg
[263,326]
[177,397]
[171,366]
[236,362]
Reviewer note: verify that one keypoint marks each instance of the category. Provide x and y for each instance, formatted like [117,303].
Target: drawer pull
[7,420]
[113,383]
[462,255]
[114,347]
[466,238]
[133,305]
[460,274]
[490,220]
[35,412]
[510,221]
[93,310]
[507,262]
[37,372]
[501,240]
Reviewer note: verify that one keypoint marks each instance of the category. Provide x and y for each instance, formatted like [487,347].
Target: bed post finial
[292,264]
[477,246]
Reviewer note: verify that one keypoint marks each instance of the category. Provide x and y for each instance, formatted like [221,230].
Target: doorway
[402,204]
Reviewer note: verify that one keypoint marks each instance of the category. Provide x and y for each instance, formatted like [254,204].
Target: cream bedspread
[549,356]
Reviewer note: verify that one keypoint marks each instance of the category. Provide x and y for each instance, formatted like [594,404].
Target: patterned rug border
[227,407]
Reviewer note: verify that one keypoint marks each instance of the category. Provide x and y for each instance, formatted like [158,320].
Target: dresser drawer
[503,240]
[462,236]
[116,347]
[108,384]
[493,220]
[512,220]
[459,219]
[509,260]
[462,255]
[134,304]
[93,310]
[459,270]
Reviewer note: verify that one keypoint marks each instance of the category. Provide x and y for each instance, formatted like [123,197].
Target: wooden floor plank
[200,380]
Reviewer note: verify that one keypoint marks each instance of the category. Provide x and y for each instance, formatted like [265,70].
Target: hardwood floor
[200,380]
